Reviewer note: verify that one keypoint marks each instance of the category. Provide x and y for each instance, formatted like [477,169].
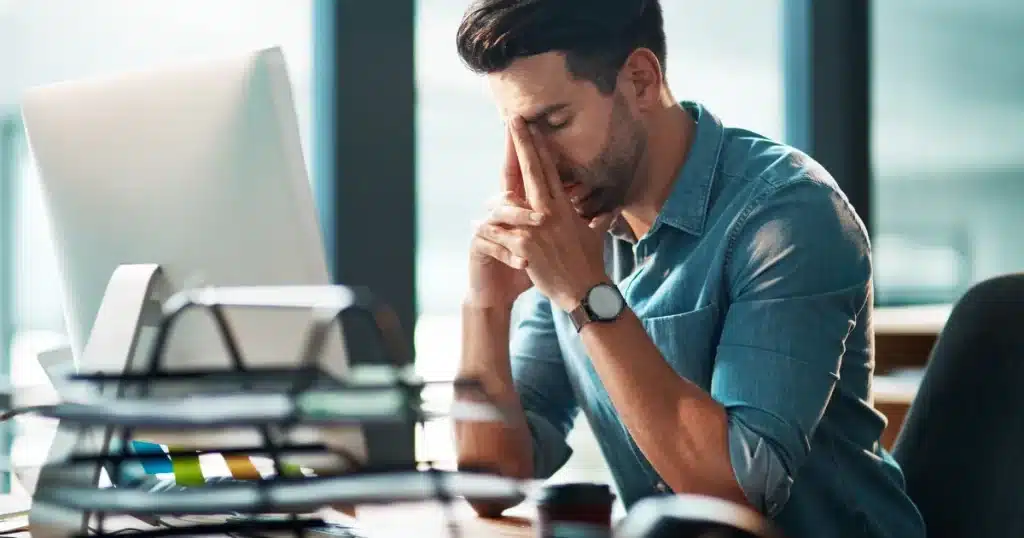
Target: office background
[915,105]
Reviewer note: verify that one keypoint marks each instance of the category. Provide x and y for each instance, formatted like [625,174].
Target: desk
[892,397]
[904,336]
[428,520]
[924,319]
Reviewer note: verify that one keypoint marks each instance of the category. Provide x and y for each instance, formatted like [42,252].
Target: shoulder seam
[773,188]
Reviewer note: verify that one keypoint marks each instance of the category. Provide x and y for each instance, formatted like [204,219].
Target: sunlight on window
[947,187]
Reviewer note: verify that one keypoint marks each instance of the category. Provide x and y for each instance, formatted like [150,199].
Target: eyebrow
[546,111]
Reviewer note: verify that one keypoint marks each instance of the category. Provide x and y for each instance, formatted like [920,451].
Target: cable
[25,531]
[123,530]
[11,413]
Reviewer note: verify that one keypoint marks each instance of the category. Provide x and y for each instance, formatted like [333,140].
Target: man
[736,360]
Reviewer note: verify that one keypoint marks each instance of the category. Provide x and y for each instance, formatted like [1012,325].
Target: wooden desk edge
[924,320]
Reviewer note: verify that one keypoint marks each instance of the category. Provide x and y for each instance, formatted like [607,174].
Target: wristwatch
[602,303]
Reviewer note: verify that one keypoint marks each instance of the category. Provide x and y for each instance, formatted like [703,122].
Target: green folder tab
[291,470]
[187,471]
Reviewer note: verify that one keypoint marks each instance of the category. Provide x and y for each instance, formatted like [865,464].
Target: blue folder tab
[160,462]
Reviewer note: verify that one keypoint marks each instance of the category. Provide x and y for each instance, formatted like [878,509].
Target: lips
[590,204]
[574,189]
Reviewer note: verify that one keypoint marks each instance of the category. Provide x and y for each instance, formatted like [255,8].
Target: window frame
[10,141]
[827,86]
[365,164]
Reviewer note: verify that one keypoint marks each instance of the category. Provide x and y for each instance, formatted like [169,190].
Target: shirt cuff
[760,472]
[550,451]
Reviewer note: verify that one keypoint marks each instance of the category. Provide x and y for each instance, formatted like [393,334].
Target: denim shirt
[755,284]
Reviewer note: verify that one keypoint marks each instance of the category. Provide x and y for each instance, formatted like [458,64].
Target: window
[947,132]
[725,54]
[43,44]
[8,137]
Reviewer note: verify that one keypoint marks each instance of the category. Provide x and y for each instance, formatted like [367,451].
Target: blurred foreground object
[581,510]
[693,516]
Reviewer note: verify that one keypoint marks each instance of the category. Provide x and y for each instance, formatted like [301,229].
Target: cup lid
[577,493]
[578,530]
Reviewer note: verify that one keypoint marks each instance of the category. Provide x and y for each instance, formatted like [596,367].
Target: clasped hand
[534,227]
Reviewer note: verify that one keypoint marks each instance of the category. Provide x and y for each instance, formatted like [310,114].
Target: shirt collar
[687,205]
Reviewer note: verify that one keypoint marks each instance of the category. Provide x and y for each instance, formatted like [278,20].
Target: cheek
[576,146]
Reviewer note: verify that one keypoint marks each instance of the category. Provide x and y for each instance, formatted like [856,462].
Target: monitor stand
[132,301]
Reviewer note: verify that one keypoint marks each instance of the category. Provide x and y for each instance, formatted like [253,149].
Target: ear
[644,78]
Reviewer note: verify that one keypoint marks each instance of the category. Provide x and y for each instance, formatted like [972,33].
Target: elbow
[495,507]
[494,450]
[492,509]
[763,468]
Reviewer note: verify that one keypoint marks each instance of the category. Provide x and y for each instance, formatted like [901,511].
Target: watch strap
[581,315]
[584,313]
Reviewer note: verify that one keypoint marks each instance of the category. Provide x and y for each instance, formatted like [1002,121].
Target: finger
[511,240]
[602,223]
[510,215]
[483,246]
[512,176]
[534,184]
[547,162]
[506,198]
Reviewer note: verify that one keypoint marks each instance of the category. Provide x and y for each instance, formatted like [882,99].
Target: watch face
[605,302]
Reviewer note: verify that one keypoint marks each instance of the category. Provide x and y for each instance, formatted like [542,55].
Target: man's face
[596,141]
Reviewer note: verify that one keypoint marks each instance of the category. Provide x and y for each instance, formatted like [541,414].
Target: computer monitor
[197,168]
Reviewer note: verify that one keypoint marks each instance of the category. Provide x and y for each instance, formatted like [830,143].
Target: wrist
[472,304]
[580,289]
[486,333]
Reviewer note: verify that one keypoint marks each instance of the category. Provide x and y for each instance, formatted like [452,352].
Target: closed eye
[556,125]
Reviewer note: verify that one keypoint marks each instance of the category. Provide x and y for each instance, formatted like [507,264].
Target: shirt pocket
[687,341]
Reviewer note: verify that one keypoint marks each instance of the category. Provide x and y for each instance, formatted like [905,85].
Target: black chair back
[962,444]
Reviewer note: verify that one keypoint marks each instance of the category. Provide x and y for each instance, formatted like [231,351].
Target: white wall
[43,41]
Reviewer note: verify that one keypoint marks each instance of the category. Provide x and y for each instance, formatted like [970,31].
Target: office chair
[962,444]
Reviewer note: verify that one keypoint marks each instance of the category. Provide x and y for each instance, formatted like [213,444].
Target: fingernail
[517,261]
[536,217]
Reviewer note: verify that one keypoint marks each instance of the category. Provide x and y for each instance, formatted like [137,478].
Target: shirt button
[661,487]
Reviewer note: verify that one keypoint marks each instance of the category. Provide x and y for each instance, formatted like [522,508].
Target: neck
[670,132]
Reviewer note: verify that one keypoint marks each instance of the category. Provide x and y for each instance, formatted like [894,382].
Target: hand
[564,254]
[497,276]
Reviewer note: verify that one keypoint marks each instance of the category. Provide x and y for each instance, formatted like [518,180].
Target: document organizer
[112,404]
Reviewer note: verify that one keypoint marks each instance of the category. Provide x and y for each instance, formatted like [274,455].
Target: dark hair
[596,36]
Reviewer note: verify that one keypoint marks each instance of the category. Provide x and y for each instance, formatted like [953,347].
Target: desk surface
[903,320]
[428,520]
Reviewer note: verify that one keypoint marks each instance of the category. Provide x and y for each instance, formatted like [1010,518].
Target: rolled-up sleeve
[540,378]
[800,275]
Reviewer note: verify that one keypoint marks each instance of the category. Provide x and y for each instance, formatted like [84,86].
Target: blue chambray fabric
[755,284]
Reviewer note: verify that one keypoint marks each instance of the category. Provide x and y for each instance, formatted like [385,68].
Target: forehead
[530,84]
